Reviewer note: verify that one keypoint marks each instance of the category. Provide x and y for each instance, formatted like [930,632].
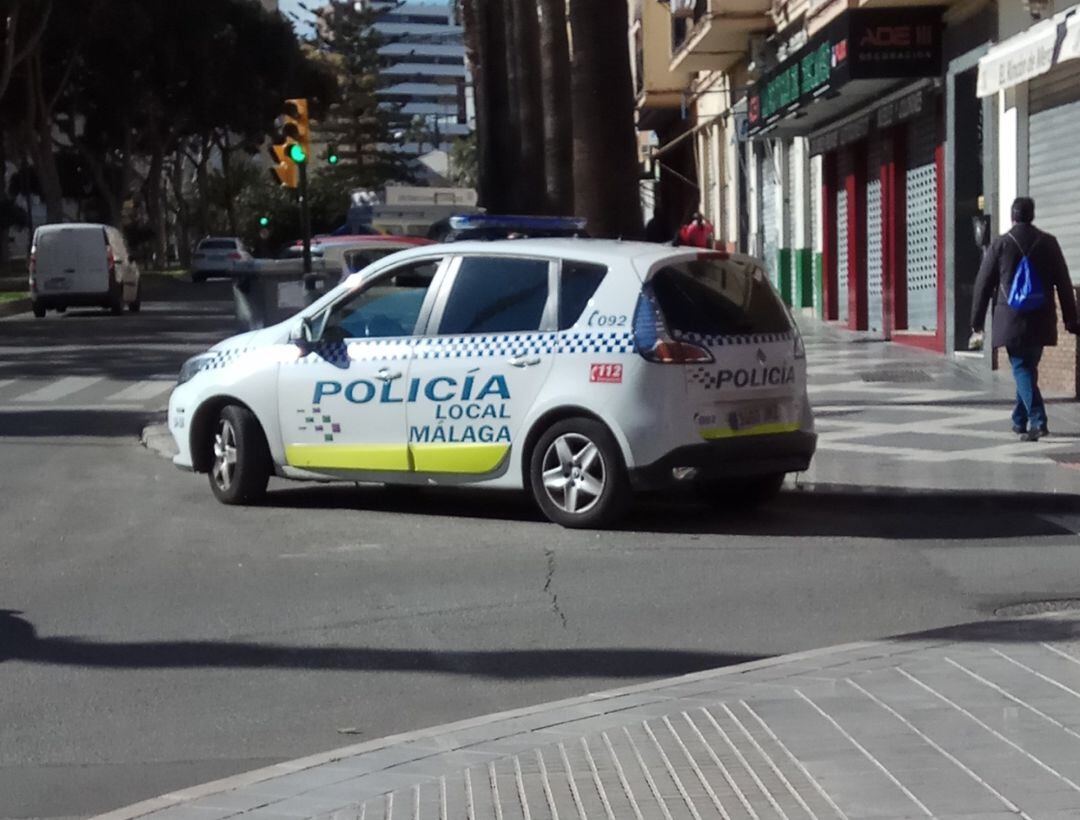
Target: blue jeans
[1029,411]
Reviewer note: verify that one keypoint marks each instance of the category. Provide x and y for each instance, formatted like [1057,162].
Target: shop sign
[862,44]
[886,115]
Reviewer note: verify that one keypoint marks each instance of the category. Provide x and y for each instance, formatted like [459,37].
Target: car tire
[577,475]
[198,278]
[116,299]
[135,305]
[39,310]
[741,494]
[240,464]
[62,309]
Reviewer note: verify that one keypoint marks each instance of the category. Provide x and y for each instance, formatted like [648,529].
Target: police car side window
[387,308]
[578,282]
[496,295]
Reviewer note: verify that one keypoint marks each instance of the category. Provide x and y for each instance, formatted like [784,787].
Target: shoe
[1019,430]
[1044,430]
[1031,435]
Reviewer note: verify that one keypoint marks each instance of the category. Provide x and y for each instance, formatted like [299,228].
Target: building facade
[424,75]
[855,145]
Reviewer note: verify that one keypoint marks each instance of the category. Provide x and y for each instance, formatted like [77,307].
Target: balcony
[717,34]
[658,89]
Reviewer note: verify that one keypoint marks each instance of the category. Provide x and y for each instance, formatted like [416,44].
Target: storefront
[866,91]
[1035,77]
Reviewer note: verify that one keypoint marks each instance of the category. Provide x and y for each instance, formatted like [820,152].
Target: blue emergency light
[520,224]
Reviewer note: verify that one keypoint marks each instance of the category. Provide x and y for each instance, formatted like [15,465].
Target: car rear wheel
[198,278]
[741,494]
[116,299]
[135,305]
[577,474]
[62,309]
[39,310]
[241,465]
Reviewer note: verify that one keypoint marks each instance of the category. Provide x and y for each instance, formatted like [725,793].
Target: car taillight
[32,267]
[235,256]
[654,343]
[112,260]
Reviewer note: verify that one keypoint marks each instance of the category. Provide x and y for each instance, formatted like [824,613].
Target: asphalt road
[151,638]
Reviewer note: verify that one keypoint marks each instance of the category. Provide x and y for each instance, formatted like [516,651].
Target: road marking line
[546,783]
[738,754]
[622,777]
[470,807]
[521,789]
[5,382]
[772,765]
[493,778]
[990,729]
[948,755]
[701,775]
[866,753]
[59,388]
[798,763]
[570,780]
[142,391]
[600,790]
[657,796]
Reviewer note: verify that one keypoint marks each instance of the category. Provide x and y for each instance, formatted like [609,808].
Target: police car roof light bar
[525,224]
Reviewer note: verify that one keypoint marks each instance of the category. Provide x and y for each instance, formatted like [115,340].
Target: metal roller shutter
[873,236]
[815,218]
[922,225]
[770,203]
[1053,167]
[845,165]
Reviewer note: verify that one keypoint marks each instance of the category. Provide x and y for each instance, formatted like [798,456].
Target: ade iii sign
[862,44]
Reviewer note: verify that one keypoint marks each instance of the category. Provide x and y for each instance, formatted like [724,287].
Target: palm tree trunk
[512,124]
[526,55]
[558,121]
[494,140]
[605,147]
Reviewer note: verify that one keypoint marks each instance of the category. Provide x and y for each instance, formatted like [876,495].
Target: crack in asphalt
[550,553]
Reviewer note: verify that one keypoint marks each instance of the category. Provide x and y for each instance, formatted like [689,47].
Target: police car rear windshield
[718,296]
[217,245]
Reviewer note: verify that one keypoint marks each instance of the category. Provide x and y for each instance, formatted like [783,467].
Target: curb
[15,306]
[245,779]
[157,439]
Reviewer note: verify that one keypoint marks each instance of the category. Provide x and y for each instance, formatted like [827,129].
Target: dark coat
[1035,328]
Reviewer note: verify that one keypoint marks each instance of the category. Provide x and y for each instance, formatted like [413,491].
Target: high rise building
[424,73]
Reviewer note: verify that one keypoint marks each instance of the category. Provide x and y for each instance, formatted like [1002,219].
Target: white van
[75,264]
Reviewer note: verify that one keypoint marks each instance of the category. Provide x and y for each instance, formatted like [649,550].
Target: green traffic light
[264,221]
[332,159]
[297,153]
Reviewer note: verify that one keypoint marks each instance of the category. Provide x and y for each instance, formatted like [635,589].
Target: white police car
[578,369]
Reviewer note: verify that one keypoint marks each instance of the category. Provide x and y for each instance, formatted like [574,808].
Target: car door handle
[523,361]
[385,375]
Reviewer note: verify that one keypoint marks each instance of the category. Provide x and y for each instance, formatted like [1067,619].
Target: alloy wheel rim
[573,473]
[224,455]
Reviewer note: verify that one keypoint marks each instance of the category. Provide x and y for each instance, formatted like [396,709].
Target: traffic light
[297,129]
[264,221]
[332,155]
[284,170]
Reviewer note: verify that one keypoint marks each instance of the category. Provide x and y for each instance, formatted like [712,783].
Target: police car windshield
[718,297]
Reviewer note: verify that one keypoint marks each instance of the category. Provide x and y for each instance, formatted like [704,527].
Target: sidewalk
[975,721]
[978,721]
[899,417]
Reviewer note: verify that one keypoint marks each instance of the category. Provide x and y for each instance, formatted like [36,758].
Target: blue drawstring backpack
[1026,293]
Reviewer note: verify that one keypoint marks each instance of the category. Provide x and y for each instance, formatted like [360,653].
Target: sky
[290,7]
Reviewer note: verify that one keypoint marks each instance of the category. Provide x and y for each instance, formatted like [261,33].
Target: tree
[605,150]
[497,150]
[23,23]
[525,56]
[358,125]
[464,170]
[558,121]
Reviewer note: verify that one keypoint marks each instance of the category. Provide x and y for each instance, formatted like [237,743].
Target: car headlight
[193,366]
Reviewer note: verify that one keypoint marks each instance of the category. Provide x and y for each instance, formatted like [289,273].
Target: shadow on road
[896,515]
[50,423]
[1017,630]
[20,641]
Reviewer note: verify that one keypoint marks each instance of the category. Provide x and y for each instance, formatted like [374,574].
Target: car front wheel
[577,475]
[241,465]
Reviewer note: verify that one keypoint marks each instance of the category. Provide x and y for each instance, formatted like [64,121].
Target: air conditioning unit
[682,8]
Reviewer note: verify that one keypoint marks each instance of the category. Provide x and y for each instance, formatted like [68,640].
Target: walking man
[1020,273]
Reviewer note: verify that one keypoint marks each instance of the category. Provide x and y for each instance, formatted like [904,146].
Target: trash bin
[268,291]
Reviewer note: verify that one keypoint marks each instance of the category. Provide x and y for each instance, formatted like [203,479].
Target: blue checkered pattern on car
[223,358]
[586,342]
[487,346]
[732,339]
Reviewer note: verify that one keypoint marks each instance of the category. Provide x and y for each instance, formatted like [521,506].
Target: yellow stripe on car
[713,433]
[388,457]
[471,459]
